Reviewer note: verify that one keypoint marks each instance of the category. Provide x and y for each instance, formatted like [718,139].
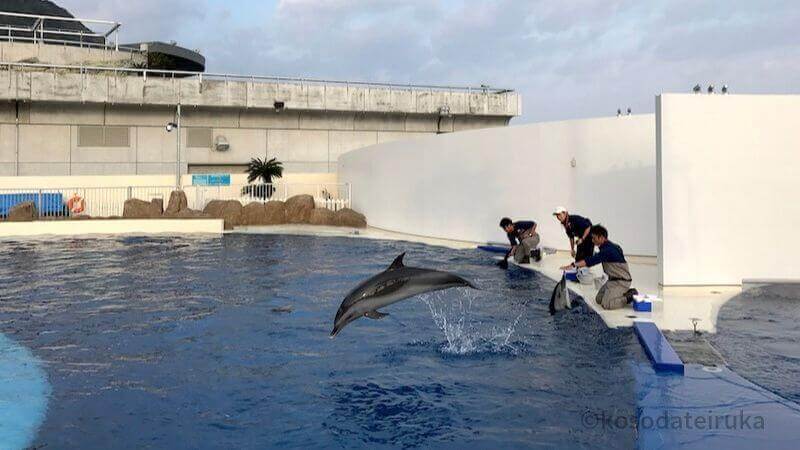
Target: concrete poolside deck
[676,311]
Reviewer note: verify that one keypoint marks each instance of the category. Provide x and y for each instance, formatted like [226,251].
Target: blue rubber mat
[710,408]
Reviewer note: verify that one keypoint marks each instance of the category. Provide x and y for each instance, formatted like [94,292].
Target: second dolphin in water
[396,283]
[559,299]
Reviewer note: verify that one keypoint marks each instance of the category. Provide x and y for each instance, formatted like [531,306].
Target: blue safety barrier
[47,203]
[658,349]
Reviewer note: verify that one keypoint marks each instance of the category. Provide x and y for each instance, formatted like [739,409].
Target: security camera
[279,106]
[171,126]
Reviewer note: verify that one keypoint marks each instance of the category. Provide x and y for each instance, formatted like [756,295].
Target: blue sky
[568,59]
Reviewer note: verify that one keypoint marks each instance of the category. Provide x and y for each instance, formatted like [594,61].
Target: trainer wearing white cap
[577,229]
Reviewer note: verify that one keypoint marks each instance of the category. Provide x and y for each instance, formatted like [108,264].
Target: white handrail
[224,76]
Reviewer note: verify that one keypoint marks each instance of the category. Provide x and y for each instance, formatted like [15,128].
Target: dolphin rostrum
[559,299]
[396,283]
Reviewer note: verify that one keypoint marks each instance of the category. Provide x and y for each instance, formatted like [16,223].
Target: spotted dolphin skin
[396,283]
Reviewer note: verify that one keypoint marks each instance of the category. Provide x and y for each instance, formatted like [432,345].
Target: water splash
[463,333]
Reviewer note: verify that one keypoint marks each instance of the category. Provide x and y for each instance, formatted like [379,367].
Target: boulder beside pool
[275,211]
[228,210]
[23,212]
[348,218]
[322,216]
[177,203]
[299,208]
[135,208]
[254,213]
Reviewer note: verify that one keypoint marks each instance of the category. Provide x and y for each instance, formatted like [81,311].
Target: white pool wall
[729,187]
[458,186]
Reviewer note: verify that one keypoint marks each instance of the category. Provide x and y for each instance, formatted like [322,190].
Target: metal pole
[178,151]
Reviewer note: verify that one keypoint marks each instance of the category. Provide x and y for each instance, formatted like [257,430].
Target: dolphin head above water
[559,299]
[396,283]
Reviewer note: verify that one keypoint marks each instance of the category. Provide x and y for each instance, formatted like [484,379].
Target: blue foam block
[572,276]
[494,248]
[658,349]
[642,306]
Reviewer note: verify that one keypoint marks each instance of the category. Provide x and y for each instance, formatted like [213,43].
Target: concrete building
[99,108]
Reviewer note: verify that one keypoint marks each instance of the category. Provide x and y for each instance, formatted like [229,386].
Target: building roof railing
[38,32]
[252,78]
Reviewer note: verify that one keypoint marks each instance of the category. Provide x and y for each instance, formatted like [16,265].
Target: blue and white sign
[211,179]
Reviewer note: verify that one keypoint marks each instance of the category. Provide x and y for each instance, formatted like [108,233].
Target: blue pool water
[759,337]
[187,343]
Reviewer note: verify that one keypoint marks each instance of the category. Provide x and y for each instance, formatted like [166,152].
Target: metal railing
[251,78]
[62,203]
[59,203]
[39,33]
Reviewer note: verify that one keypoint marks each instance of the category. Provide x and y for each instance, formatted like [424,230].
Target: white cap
[559,210]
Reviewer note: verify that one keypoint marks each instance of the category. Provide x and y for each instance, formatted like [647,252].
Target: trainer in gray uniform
[523,238]
[616,292]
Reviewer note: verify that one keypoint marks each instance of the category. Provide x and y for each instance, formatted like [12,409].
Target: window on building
[199,137]
[100,136]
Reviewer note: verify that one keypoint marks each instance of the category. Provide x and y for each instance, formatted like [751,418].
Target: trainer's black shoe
[630,293]
[536,254]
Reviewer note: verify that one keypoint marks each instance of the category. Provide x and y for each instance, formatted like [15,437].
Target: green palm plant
[265,171]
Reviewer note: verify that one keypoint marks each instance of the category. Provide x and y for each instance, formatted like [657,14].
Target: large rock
[177,202]
[140,209]
[275,212]
[158,205]
[23,212]
[348,218]
[228,210]
[254,214]
[299,208]
[188,213]
[322,216]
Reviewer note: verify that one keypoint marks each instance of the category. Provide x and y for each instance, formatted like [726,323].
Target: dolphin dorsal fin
[398,262]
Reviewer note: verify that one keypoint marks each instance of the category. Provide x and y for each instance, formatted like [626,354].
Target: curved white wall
[459,185]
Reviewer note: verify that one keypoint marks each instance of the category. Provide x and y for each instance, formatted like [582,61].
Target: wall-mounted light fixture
[573,162]
[171,126]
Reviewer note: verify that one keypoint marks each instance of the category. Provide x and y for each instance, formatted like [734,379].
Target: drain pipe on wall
[178,151]
[177,127]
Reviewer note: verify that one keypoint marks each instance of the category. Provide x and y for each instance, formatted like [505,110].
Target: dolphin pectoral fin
[375,315]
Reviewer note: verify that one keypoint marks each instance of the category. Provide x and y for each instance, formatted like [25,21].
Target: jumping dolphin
[396,283]
[559,299]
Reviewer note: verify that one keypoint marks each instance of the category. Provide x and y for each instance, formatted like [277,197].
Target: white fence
[333,196]
[106,202]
